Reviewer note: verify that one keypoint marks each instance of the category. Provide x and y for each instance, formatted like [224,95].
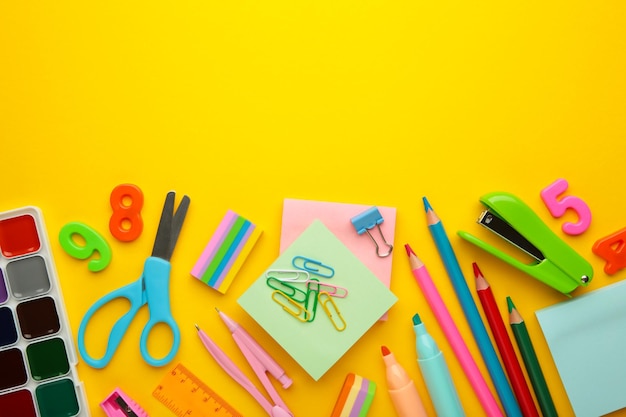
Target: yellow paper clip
[324,299]
[286,303]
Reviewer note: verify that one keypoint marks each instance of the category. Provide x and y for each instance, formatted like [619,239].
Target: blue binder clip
[366,221]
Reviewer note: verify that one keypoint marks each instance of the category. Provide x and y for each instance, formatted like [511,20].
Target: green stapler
[554,262]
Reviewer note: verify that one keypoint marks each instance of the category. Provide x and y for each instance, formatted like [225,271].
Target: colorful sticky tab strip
[226,252]
[355,397]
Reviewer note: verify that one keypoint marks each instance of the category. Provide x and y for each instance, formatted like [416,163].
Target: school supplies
[258,365]
[39,376]
[226,252]
[526,349]
[332,311]
[404,396]
[586,338]
[313,266]
[94,242]
[184,394]
[248,345]
[355,397]
[316,345]
[470,310]
[558,205]
[152,288]
[301,298]
[126,202]
[504,345]
[447,324]
[118,404]
[612,249]
[436,373]
[299,214]
[554,262]
[366,221]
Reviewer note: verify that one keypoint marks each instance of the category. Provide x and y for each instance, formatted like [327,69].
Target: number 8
[126,214]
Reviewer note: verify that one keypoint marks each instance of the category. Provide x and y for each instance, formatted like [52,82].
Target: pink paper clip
[332,290]
[118,404]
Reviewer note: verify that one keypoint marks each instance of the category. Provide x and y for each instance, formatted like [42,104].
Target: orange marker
[404,395]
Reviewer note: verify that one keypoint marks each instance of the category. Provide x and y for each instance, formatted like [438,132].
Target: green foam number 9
[94,242]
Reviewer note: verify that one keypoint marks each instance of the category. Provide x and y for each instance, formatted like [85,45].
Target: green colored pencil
[531,362]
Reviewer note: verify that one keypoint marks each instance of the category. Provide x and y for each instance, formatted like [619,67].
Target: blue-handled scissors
[151,288]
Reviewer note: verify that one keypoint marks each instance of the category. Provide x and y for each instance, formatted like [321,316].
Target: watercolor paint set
[37,353]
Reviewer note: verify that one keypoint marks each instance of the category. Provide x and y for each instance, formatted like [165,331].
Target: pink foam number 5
[558,207]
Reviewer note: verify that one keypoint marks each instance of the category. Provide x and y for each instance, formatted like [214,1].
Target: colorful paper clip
[366,221]
[330,289]
[290,275]
[118,404]
[286,287]
[313,266]
[333,314]
[311,299]
[287,303]
[555,263]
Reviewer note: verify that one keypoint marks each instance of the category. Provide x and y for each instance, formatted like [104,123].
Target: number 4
[611,249]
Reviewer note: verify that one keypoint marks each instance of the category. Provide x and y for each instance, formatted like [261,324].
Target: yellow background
[240,104]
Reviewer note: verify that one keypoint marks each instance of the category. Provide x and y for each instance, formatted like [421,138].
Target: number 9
[94,242]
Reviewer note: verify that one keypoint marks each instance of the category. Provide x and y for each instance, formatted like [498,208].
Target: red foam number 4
[558,207]
[613,250]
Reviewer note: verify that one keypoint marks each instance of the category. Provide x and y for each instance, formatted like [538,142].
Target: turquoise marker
[436,373]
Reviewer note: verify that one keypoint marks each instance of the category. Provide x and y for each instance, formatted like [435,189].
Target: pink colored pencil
[476,379]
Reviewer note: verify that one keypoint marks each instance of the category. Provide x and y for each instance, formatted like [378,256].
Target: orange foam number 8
[126,223]
[612,250]
[558,207]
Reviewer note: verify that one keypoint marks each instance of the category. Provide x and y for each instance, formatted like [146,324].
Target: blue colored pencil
[498,377]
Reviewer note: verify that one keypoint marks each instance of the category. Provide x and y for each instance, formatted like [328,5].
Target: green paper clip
[555,263]
[312,291]
[291,291]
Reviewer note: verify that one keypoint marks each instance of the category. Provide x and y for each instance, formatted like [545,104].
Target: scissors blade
[169,226]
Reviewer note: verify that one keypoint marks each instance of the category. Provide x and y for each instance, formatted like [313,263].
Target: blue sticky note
[586,336]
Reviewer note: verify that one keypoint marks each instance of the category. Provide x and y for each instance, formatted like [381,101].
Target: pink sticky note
[298,215]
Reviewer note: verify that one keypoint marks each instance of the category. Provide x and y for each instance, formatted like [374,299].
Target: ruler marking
[186,395]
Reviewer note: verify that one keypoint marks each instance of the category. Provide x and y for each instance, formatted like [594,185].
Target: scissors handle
[132,292]
[157,282]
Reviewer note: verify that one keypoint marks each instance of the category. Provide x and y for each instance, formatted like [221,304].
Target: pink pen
[243,338]
[277,410]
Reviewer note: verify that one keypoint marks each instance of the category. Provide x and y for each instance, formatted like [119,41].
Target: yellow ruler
[186,395]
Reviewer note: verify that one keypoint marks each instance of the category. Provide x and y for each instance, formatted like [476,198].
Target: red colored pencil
[505,346]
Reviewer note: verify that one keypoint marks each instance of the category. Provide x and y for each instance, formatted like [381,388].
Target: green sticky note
[317,345]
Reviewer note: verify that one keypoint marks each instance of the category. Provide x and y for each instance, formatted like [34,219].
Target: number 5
[550,196]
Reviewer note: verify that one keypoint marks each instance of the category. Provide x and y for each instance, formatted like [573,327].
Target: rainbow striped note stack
[226,252]
[355,397]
